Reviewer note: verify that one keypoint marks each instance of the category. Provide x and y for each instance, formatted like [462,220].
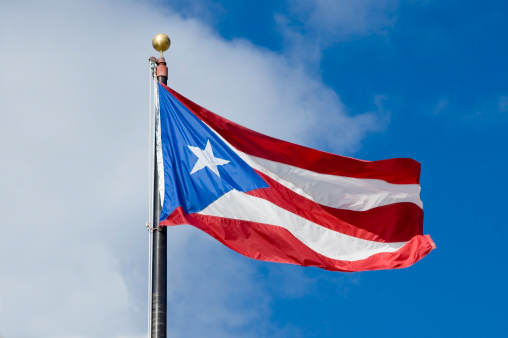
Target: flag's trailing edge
[277,201]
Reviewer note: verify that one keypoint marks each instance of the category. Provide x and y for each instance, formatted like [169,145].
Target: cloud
[503,104]
[74,144]
[440,107]
[311,26]
[343,19]
[486,109]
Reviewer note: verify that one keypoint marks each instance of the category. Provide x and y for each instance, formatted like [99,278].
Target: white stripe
[332,244]
[340,192]
[358,194]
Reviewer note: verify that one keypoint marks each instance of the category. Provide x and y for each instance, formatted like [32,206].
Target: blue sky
[368,79]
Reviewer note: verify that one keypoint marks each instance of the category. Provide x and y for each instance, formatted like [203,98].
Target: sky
[372,79]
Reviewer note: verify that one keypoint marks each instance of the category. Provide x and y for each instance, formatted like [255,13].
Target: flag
[280,202]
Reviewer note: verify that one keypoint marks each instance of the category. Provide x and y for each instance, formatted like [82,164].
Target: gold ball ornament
[161,43]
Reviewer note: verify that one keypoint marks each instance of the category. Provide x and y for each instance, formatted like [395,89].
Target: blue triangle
[180,129]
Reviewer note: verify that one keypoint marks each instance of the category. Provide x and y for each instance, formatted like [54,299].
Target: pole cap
[161,43]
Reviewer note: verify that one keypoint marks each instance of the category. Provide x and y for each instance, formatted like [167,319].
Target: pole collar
[162,69]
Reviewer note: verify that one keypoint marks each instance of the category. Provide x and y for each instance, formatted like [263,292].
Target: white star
[206,159]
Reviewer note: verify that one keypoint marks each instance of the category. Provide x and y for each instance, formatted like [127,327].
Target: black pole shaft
[159,260]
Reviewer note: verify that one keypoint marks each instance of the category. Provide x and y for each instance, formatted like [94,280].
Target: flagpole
[161,43]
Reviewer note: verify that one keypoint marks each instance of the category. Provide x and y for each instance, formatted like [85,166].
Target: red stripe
[398,170]
[276,244]
[397,222]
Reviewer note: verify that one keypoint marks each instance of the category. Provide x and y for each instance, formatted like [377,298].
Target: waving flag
[277,201]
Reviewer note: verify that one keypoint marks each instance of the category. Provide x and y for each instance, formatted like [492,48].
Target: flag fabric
[277,201]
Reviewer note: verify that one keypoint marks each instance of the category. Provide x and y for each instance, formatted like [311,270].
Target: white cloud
[309,27]
[342,18]
[74,84]
[503,104]
[440,107]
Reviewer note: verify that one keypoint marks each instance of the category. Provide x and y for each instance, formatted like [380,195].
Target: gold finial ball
[161,42]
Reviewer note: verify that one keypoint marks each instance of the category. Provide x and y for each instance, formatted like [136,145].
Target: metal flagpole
[161,43]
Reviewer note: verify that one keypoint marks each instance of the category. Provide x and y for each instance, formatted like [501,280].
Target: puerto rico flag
[280,202]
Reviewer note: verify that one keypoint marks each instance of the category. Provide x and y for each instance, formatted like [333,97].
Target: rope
[151,137]
[151,147]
